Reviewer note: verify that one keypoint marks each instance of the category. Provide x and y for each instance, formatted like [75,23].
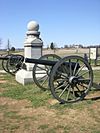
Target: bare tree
[8,46]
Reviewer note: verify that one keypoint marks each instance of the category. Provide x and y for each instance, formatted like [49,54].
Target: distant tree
[12,49]
[80,46]
[52,46]
[65,46]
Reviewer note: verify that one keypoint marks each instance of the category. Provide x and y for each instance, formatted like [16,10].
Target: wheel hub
[73,80]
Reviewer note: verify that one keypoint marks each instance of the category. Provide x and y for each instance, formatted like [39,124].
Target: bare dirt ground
[18,116]
[26,119]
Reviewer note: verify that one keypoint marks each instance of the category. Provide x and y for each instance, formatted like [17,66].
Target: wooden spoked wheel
[4,62]
[14,63]
[71,79]
[41,73]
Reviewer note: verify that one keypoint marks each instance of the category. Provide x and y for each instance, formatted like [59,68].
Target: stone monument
[32,49]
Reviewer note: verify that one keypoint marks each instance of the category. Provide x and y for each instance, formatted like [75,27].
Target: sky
[63,22]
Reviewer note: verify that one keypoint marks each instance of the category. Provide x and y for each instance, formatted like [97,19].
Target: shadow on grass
[92,98]
[96,88]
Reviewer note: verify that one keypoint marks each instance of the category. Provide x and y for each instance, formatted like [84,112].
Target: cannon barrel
[50,63]
[14,57]
[42,62]
[4,58]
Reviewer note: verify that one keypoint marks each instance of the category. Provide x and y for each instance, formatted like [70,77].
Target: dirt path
[19,116]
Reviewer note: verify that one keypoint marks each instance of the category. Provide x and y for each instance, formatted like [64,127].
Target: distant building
[77,46]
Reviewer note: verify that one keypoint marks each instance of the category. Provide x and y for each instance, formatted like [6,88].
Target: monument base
[24,76]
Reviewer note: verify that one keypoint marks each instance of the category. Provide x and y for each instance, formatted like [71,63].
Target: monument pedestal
[32,49]
[24,76]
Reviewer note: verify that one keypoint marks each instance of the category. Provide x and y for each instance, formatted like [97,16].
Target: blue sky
[61,21]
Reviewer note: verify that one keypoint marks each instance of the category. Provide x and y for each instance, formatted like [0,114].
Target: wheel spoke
[78,88]
[62,74]
[70,67]
[83,85]
[80,69]
[73,92]
[62,79]
[63,90]
[84,80]
[59,86]
[83,74]
[44,81]
[39,72]
[47,68]
[41,68]
[75,67]
[65,69]
[68,93]
[41,78]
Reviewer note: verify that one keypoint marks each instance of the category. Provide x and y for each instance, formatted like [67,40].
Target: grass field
[67,52]
[28,109]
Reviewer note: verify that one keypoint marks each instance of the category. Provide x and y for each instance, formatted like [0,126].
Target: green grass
[34,94]
[43,126]
[12,114]
[30,92]
[1,65]
[10,128]
[92,62]
[96,76]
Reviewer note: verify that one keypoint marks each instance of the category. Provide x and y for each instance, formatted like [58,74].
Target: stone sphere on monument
[33,26]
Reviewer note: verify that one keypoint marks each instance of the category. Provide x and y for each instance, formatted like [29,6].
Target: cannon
[69,79]
[12,63]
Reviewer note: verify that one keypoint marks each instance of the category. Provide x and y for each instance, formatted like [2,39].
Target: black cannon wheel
[4,62]
[41,73]
[14,63]
[71,79]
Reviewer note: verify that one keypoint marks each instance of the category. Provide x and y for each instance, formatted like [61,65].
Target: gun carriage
[12,63]
[69,79]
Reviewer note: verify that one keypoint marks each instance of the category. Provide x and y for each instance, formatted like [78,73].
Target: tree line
[53,46]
